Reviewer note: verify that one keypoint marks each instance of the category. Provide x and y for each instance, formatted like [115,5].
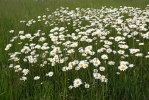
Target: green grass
[132,85]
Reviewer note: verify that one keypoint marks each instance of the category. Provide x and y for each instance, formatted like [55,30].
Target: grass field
[78,69]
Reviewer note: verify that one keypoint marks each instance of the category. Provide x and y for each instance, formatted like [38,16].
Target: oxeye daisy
[70,87]
[25,71]
[111,62]
[11,31]
[50,74]
[141,43]
[122,67]
[133,51]
[121,51]
[36,77]
[109,50]
[11,65]
[28,36]
[147,56]
[139,54]
[96,75]
[77,82]
[118,38]
[87,85]
[103,78]
[96,62]
[102,68]
[23,78]
[104,57]
[131,65]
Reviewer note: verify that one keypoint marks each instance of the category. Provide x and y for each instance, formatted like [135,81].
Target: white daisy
[104,57]
[122,67]
[36,77]
[77,82]
[96,62]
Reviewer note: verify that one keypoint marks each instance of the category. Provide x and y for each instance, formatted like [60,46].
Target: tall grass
[129,85]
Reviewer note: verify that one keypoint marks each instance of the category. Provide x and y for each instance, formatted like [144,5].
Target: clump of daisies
[89,40]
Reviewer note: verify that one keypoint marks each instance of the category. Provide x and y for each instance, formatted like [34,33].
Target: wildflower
[103,78]
[96,62]
[28,36]
[77,82]
[104,57]
[109,50]
[53,52]
[118,38]
[102,68]
[124,63]
[17,66]
[11,65]
[95,70]
[61,29]
[122,67]
[81,64]
[111,62]
[117,73]
[141,43]
[88,40]
[54,38]
[94,23]
[23,78]
[25,71]
[147,56]
[147,11]
[49,74]
[125,46]
[18,69]
[88,51]
[114,51]
[8,47]
[37,46]
[96,75]
[87,85]
[70,87]
[132,51]
[102,37]
[107,42]
[11,31]
[39,17]
[36,77]
[77,68]
[70,51]
[64,68]
[42,39]
[121,51]
[131,65]
[132,26]
[21,32]
[139,54]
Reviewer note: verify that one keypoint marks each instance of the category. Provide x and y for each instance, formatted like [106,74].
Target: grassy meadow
[74,50]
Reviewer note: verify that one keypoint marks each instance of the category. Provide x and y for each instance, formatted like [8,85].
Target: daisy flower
[36,77]
[104,57]
[50,74]
[23,78]
[102,68]
[77,82]
[96,62]
[96,75]
[87,85]
[122,67]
